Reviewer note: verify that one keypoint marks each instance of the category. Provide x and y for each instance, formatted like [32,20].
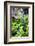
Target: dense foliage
[19,27]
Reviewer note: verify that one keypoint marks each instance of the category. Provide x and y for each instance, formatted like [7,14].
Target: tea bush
[19,27]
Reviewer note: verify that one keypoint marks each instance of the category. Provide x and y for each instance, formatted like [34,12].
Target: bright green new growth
[19,27]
